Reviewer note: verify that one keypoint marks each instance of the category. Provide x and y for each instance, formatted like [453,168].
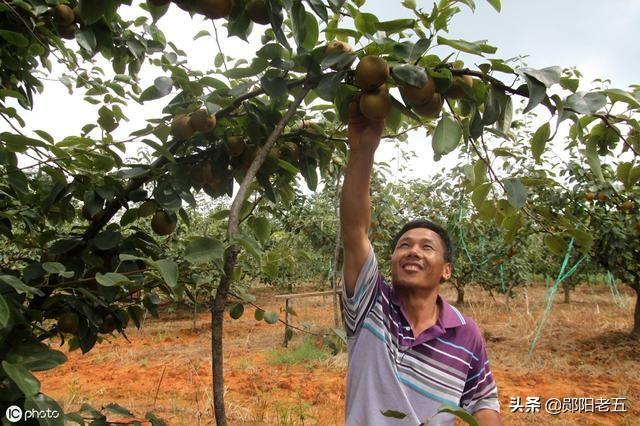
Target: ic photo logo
[14,413]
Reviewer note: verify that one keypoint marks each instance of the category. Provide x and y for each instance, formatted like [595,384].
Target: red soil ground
[165,367]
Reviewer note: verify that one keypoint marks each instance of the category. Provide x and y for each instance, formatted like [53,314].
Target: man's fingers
[355,116]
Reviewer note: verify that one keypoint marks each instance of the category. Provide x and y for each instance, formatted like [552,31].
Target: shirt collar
[449,317]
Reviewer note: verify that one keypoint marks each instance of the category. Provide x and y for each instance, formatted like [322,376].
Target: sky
[599,38]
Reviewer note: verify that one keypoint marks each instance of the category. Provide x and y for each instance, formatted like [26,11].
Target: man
[409,350]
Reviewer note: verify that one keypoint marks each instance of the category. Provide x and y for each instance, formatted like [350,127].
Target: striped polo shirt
[391,369]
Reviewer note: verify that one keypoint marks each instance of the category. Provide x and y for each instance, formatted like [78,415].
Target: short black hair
[424,223]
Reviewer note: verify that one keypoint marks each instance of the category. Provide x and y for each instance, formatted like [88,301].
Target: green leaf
[250,245]
[586,104]
[556,244]
[547,76]
[446,137]
[539,141]
[495,4]
[22,377]
[516,192]
[258,314]
[312,32]
[111,279]
[169,271]
[5,312]
[14,38]
[537,92]
[271,317]
[460,413]
[118,409]
[41,403]
[617,95]
[204,250]
[53,267]
[155,421]
[393,414]
[236,311]
[107,240]
[480,193]
[591,152]
[19,143]
[395,26]
[633,178]
[202,33]
[410,74]
[298,21]
[19,286]
[571,84]
[92,10]
[86,39]
[157,12]
[366,23]
[35,357]
[411,52]
[164,85]
[474,47]
[261,227]
[275,87]
[583,239]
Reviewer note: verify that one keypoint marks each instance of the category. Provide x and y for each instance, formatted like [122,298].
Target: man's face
[418,260]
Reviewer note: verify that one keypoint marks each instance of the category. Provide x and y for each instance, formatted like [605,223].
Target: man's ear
[446,272]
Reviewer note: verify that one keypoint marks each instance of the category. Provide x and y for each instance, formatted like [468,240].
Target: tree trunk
[567,293]
[217,317]
[460,298]
[636,315]
[336,256]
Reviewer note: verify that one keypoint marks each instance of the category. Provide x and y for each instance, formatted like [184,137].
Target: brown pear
[201,121]
[371,72]
[459,87]
[375,105]
[181,127]
[419,95]
[430,109]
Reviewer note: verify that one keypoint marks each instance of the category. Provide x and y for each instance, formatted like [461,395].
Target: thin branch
[224,60]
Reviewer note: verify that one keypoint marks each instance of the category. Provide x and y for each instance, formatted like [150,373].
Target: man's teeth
[412,267]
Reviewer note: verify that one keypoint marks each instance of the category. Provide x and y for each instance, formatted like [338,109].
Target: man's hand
[363,133]
[487,417]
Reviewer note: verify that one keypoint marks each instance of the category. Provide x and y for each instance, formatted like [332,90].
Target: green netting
[617,297]
[553,290]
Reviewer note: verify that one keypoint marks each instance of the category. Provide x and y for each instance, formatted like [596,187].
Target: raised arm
[355,204]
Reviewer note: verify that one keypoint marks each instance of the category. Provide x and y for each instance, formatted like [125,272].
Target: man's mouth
[412,267]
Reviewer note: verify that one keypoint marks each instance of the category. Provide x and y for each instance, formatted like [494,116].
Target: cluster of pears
[256,10]
[69,322]
[427,102]
[371,76]
[184,126]
[66,19]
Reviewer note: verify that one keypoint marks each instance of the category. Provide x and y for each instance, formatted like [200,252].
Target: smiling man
[410,352]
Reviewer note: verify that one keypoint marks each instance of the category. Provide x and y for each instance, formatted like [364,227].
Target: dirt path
[165,367]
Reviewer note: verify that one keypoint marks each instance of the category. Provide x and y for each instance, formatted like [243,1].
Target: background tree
[243,132]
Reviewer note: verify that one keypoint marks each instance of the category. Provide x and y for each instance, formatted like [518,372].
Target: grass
[306,353]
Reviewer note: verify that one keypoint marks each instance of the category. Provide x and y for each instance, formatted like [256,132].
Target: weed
[305,352]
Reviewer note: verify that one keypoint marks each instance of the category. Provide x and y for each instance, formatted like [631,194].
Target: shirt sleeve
[480,390]
[368,286]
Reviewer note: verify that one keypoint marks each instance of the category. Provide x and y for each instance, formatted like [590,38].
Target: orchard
[93,235]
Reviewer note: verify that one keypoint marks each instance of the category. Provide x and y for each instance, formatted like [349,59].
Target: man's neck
[420,307]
